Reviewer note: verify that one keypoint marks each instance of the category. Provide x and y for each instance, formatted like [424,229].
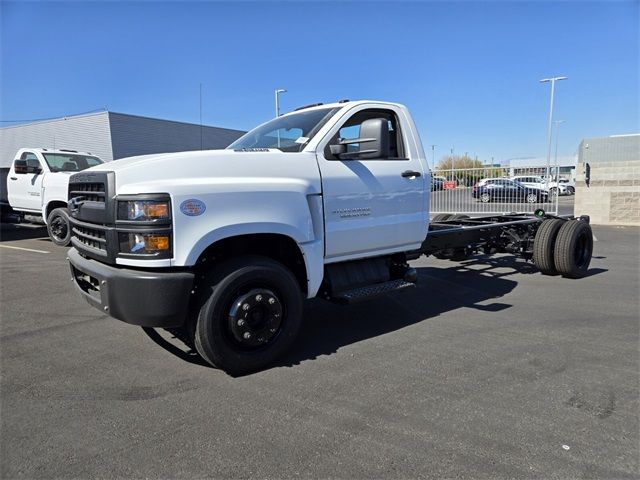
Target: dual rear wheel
[563,247]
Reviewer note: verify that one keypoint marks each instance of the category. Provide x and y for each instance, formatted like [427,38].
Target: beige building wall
[613,194]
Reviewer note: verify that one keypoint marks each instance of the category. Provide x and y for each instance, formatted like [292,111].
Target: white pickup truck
[330,201]
[37,185]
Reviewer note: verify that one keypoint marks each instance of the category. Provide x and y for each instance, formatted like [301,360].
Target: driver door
[25,189]
[371,205]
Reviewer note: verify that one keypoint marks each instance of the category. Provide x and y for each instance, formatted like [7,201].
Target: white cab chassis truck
[37,186]
[331,201]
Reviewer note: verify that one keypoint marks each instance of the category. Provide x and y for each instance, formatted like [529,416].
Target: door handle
[13,178]
[410,173]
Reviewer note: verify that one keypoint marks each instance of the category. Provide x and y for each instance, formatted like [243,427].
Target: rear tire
[544,245]
[441,217]
[59,227]
[485,198]
[250,314]
[573,249]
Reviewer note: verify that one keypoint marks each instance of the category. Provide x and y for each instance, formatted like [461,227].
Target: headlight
[144,210]
[145,243]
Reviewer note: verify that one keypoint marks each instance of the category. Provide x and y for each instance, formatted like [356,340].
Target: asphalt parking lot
[486,370]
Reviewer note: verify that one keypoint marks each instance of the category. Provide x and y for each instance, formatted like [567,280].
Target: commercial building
[112,135]
[566,166]
[608,179]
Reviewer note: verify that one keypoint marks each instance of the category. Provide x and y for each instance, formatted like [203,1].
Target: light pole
[553,81]
[433,155]
[452,160]
[278,92]
[557,124]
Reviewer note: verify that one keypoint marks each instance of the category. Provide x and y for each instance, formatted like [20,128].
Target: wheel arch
[52,205]
[276,246]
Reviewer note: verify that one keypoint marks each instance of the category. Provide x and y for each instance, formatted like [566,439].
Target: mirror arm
[356,140]
[348,155]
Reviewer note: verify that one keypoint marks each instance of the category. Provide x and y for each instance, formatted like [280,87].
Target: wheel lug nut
[272,301]
[240,323]
[245,306]
[258,298]
[247,335]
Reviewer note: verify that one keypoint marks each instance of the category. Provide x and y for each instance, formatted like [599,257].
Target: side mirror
[373,141]
[338,149]
[24,166]
[20,166]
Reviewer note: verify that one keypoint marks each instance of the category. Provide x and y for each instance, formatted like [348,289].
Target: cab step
[370,291]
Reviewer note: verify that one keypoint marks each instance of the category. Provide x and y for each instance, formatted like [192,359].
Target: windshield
[69,162]
[289,133]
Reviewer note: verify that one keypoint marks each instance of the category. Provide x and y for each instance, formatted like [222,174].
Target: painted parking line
[25,249]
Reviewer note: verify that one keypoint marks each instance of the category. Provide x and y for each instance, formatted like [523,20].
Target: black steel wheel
[250,314]
[544,244]
[58,227]
[573,249]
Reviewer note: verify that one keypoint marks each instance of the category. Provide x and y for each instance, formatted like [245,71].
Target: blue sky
[468,71]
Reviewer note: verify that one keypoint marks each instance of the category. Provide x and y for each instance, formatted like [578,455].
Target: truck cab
[37,185]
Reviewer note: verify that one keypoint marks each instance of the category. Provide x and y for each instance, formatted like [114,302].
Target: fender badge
[193,207]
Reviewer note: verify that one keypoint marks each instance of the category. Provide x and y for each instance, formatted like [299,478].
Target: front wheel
[251,313]
[58,227]
[531,198]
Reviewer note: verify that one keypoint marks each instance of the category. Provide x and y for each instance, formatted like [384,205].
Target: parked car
[550,186]
[503,189]
[437,182]
[568,186]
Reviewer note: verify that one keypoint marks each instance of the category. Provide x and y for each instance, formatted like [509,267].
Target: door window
[350,130]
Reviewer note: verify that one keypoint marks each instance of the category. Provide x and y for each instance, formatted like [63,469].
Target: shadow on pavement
[327,327]
[10,232]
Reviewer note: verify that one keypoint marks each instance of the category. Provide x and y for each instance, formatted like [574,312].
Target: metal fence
[492,190]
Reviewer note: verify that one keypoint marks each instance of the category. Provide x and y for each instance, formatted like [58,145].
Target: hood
[158,173]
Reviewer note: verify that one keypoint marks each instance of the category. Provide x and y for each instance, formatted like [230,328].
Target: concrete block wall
[613,195]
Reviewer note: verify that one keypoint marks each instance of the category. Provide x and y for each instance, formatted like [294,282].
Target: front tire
[250,314]
[59,227]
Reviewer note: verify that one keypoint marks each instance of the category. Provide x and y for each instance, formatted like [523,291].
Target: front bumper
[139,297]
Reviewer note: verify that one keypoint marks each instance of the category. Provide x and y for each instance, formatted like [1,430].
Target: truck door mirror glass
[27,166]
[20,166]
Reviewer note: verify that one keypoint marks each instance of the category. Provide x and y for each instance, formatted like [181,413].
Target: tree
[465,170]
[458,162]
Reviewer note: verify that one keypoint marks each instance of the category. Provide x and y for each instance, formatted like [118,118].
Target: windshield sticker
[302,140]
[193,207]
